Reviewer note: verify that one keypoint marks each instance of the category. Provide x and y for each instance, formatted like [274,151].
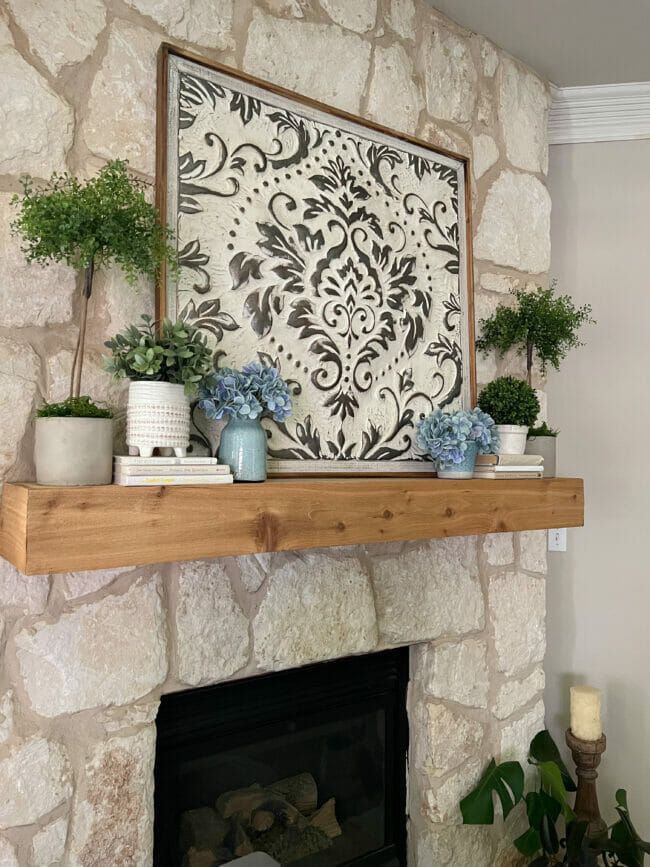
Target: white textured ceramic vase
[157,417]
[74,451]
[512,438]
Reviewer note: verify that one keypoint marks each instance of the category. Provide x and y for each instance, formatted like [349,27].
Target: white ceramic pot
[74,451]
[513,438]
[157,417]
[547,448]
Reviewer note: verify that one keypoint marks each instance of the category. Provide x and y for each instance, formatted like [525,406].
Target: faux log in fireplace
[307,765]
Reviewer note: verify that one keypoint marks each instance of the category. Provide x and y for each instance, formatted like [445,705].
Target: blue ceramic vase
[463,470]
[243,448]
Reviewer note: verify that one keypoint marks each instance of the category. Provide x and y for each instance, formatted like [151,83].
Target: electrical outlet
[557,539]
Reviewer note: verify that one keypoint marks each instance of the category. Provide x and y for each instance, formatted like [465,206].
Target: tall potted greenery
[87,225]
[540,324]
[514,406]
[165,363]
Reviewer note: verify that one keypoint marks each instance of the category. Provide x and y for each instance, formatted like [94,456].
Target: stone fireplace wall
[86,656]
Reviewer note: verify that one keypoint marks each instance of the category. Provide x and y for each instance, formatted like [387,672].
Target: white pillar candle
[585,713]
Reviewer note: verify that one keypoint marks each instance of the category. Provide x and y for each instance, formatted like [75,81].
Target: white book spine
[171,470]
[143,481]
[134,461]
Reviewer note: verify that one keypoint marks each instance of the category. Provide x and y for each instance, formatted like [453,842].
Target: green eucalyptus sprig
[160,352]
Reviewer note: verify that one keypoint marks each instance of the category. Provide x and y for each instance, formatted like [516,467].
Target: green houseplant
[514,406]
[554,835]
[540,324]
[87,225]
[165,362]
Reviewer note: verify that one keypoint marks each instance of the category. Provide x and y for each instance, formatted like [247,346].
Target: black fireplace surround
[230,757]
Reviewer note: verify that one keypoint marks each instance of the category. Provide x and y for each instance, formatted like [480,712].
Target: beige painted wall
[599,591]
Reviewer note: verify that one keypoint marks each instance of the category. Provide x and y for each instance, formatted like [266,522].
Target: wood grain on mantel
[47,529]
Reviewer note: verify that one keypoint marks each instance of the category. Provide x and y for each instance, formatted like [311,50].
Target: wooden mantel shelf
[45,529]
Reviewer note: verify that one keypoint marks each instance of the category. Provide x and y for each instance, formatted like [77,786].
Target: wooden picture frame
[278,205]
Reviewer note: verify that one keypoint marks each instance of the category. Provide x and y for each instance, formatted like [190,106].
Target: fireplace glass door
[308,766]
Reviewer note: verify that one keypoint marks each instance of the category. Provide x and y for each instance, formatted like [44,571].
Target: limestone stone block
[442,740]
[61,33]
[203,22]
[6,716]
[458,672]
[316,607]
[444,138]
[94,381]
[8,857]
[532,550]
[498,282]
[77,584]
[441,803]
[30,294]
[21,594]
[516,737]
[19,372]
[5,33]
[117,304]
[287,8]
[485,153]
[112,651]
[450,75]
[37,124]
[485,112]
[523,114]
[34,779]
[121,119]
[515,224]
[394,98]
[112,817]
[514,694]
[254,569]
[211,629]
[359,16]
[48,844]
[456,846]
[431,591]
[319,60]
[489,57]
[517,607]
[401,18]
[499,549]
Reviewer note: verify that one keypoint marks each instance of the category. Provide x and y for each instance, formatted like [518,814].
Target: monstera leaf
[507,780]
[544,749]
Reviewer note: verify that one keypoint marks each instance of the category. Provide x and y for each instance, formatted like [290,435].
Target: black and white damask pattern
[331,251]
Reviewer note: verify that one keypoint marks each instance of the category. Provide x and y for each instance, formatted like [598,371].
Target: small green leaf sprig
[74,407]
[167,351]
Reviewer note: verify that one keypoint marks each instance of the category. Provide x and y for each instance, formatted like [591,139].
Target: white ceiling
[570,42]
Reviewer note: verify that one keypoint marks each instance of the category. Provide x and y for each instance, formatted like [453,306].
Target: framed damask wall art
[333,248]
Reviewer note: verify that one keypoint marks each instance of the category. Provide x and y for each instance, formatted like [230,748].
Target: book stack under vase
[509,467]
[129,470]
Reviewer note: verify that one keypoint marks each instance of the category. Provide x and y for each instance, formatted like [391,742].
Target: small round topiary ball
[510,401]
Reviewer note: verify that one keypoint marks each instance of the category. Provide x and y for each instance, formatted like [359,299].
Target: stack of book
[509,467]
[128,470]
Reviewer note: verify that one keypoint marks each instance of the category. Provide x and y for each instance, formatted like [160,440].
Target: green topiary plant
[88,225]
[160,352]
[547,808]
[509,401]
[542,431]
[540,324]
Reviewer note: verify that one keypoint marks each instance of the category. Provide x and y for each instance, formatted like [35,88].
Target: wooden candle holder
[586,755]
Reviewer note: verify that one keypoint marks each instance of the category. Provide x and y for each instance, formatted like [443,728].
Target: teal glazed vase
[243,448]
[463,470]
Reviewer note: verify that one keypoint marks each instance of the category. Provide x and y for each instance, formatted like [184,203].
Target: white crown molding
[602,112]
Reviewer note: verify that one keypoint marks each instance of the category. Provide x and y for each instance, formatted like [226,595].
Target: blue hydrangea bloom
[445,434]
[253,392]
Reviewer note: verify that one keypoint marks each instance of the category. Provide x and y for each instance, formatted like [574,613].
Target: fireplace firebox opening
[307,765]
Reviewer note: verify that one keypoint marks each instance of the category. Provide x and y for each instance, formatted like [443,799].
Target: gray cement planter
[74,451]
